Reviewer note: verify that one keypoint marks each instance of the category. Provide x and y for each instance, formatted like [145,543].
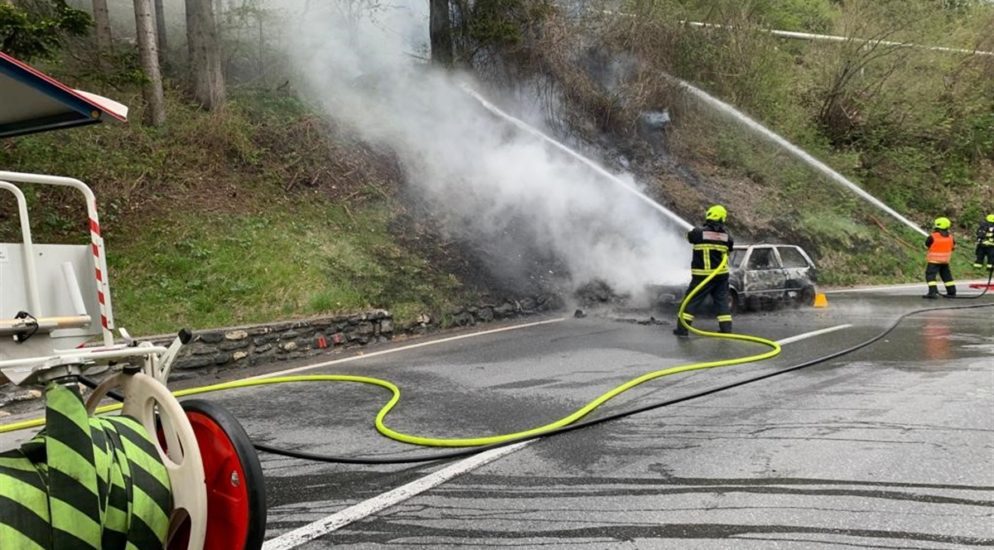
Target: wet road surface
[890,447]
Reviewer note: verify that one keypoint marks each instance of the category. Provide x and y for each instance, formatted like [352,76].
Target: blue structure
[31,101]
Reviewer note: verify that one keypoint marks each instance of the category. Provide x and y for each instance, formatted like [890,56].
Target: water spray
[522,125]
[794,150]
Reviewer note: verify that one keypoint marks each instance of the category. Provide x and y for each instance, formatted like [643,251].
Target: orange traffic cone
[821,300]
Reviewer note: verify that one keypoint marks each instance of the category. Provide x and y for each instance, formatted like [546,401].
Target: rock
[239,355]
[365,328]
[504,310]
[234,344]
[264,339]
[195,362]
[579,314]
[486,314]
[236,335]
[288,346]
[386,326]
[263,348]
[199,349]
[210,337]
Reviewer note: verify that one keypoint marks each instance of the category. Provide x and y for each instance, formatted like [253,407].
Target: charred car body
[762,276]
[765,276]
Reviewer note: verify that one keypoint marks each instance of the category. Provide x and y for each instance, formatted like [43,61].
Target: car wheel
[807,296]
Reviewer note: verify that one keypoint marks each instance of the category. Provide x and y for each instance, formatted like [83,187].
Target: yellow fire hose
[385,430]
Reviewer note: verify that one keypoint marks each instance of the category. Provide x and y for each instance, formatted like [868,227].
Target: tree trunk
[155,103]
[160,28]
[440,33]
[207,82]
[101,27]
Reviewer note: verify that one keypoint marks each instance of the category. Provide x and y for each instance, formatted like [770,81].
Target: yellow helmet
[716,213]
[943,223]
[990,218]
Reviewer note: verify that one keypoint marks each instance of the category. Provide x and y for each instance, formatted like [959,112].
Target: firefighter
[711,243]
[940,245]
[985,244]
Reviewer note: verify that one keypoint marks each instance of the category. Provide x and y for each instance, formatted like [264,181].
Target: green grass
[227,269]
[215,219]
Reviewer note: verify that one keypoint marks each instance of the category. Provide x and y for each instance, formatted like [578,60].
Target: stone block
[230,345]
[210,337]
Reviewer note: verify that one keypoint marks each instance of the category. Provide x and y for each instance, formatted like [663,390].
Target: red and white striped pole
[100,269]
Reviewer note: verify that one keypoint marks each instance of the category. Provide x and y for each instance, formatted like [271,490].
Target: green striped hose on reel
[83,483]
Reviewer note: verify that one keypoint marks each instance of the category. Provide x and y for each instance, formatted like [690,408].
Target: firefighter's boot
[681,330]
[725,326]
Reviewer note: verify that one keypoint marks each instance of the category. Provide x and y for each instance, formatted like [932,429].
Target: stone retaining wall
[215,349]
[257,344]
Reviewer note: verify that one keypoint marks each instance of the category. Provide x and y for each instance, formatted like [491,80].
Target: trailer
[188,473]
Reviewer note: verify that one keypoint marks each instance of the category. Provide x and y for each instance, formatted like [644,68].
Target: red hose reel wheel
[236,494]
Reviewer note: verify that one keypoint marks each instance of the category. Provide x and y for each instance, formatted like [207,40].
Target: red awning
[31,101]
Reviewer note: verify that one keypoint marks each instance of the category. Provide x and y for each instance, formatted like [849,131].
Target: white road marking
[307,533]
[366,508]
[807,335]
[404,348]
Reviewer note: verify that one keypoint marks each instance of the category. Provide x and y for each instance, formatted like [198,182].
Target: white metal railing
[96,242]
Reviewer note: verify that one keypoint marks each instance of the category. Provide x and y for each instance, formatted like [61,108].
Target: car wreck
[761,277]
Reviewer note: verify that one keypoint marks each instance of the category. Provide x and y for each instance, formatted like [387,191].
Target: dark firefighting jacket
[711,243]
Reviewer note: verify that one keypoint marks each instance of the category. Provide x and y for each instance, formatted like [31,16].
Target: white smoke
[494,184]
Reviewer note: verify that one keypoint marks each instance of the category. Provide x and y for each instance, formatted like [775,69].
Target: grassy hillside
[265,210]
[914,127]
[251,214]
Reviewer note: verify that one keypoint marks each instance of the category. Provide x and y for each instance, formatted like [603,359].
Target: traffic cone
[821,301]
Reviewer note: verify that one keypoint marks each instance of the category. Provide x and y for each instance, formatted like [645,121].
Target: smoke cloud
[493,185]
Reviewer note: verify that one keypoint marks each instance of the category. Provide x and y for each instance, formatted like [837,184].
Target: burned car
[761,276]
[765,276]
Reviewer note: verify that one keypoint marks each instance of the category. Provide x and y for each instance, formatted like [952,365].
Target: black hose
[592,422]
[987,287]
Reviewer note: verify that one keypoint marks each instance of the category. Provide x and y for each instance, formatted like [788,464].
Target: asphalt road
[890,447]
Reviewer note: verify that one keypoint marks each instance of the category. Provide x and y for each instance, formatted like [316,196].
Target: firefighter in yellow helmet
[940,245]
[711,243]
[985,244]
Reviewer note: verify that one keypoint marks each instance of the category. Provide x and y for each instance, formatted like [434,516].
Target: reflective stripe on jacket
[940,247]
[711,243]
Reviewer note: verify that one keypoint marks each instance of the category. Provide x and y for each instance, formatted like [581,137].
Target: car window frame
[773,254]
[808,264]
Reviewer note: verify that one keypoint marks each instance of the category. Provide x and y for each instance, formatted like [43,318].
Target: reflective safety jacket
[940,246]
[985,234]
[711,243]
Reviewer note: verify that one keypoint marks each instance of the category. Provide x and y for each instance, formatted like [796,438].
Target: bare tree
[440,32]
[160,27]
[101,27]
[155,103]
[205,54]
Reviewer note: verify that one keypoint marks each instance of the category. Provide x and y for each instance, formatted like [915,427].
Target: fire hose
[84,482]
[571,422]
